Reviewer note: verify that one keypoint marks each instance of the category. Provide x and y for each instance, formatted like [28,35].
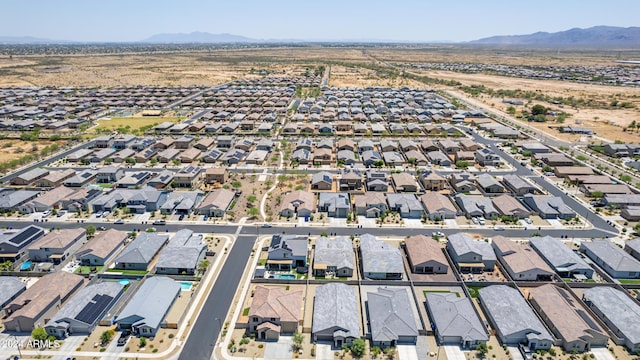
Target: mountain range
[598,36]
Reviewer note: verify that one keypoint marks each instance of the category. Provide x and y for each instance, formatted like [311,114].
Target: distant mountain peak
[597,36]
[197,37]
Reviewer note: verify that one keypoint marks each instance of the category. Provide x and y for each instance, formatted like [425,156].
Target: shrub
[155,350]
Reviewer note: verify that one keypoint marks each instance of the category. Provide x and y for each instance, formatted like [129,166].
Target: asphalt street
[202,340]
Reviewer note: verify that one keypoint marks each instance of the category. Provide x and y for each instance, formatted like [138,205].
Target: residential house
[301,156]
[333,257]
[425,255]
[35,306]
[81,178]
[432,181]
[29,177]
[275,311]
[55,178]
[567,319]
[469,255]
[371,158]
[549,207]
[612,259]
[216,175]
[455,321]
[101,248]
[438,206]
[141,251]
[335,204]
[161,179]
[518,185]
[204,143]
[437,157]
[346,157]
[109,174]
[618,312]
[393,158]
[298,203]
[132,180]
[137,201]
[391,317]
[346,144]
[183,142]
[82,313]
[380,261]
[182,255]
[79,155]
[407,205]
[521,261]
[510,206]
[102,155]
[287,252]
[489,184]
[404,182]
[164,143]
[335,315]
[486,157]
[187,177]
[216,203]
[10,288]
[145,312]
[512,318]
[181,202]
[145,155]
[57,246]
[476,206]
[14,243]
[564,261]
[633,248]
[322,181]
[190,155]
[350,180]
[371,204]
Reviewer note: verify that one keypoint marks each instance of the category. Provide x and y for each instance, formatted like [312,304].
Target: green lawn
[262,262]
[245,312]
[87,269]
[473,290]
[128,272]
[629,281]
[133,123]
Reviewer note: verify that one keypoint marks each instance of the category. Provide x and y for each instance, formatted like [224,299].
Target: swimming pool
[285,276]
[186,285]
[124,282]
[26,266]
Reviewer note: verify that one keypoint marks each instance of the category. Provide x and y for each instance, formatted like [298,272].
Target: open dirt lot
[16,148]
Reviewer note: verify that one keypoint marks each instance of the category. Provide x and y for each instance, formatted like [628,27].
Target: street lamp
[18,345]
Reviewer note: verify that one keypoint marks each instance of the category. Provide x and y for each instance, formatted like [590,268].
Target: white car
[498,228]
[46,213]
[267,225]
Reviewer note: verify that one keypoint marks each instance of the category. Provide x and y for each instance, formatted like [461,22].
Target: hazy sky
[410,20]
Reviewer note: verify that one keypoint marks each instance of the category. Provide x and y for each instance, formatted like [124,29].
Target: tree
[39,334]
[236,184]
[106,336]
[297,341]
[482,349]
[597,194]
[461,164]
[91,230]
[143,342]
[538,110]
[203,264]
[511,110]
[251,199]
[358,347]
[254,211]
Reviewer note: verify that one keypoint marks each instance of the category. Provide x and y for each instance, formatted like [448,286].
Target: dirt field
[15,148]
[342,76]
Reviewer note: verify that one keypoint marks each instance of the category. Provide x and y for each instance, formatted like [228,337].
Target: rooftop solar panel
[89,314]
[26,234]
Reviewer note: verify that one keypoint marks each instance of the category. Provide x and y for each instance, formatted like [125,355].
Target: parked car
[119,222]
[438,234]
[46,213]
[99,214]
[498,228]
[266,225]
[122,340]
[102,228]
[159,222]
[181,217]
[60,213]
[475,221]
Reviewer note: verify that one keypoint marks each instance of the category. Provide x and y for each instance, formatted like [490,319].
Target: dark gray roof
[9,288]
[379,257]
[151,302]
[87,297]
[296,243]
[618,308]
[336,306]
[390,314]
[612,255]
[558,255]
[142,249]
[511,313]
[454,316]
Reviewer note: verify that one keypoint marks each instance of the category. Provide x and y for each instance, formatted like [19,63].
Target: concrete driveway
[515,353]
[323,351]
[454,353]
[602,353]
[407,352]
[280,350]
